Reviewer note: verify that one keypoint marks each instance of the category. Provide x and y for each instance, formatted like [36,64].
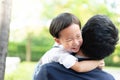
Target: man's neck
[80,54]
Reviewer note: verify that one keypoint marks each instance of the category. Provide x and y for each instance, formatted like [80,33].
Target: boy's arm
[85,66]
[70,61]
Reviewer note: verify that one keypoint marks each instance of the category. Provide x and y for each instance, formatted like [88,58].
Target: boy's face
[70,38]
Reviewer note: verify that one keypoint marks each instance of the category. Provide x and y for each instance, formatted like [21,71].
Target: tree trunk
[5,14]
[28,48]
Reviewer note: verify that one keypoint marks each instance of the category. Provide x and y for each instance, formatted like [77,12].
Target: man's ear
[57,40]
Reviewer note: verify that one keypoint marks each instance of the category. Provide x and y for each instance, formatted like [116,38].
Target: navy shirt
[55,71]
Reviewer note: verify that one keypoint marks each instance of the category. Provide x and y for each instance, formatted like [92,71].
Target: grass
[23,72]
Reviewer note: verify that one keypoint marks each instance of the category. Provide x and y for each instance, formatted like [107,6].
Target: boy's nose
[76,42]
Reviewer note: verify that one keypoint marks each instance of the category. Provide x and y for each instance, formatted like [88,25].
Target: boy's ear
[57,40]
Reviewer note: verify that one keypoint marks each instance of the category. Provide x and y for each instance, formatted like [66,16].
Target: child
[65,28]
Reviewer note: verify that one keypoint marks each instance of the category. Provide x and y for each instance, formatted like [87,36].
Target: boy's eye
[78,37]
[68,40]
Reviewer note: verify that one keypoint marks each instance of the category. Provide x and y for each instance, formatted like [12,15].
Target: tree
[28,47]
[83,9]
[5,10]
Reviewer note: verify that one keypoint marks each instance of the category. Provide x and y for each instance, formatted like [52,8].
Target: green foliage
[39,45]
[114,59]
[83,9]
[17,50]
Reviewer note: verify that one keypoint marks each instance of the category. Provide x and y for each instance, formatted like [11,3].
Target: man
[99,39]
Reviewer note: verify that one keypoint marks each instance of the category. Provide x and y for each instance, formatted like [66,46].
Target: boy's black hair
[99,37]
[61,22]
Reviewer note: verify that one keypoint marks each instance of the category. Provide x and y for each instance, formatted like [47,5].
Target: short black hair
[61,22]
[99,37]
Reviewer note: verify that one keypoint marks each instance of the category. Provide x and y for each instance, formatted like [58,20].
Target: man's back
[55,71]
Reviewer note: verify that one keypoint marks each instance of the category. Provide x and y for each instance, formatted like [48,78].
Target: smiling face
[70,38]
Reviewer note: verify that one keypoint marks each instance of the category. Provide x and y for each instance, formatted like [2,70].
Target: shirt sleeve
[66,59]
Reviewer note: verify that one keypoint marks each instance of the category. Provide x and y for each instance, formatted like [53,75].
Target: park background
[29,36]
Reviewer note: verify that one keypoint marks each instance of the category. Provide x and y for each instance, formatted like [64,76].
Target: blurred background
[29,37]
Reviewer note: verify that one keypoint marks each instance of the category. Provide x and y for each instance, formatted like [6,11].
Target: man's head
[65,28]
[99,37]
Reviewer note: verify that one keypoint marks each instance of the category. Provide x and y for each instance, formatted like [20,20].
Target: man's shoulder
[55,69]
[101,74]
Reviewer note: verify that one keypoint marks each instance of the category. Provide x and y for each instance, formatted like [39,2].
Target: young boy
[65,28]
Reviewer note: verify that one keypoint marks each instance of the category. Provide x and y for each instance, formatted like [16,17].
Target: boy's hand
[102,64]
